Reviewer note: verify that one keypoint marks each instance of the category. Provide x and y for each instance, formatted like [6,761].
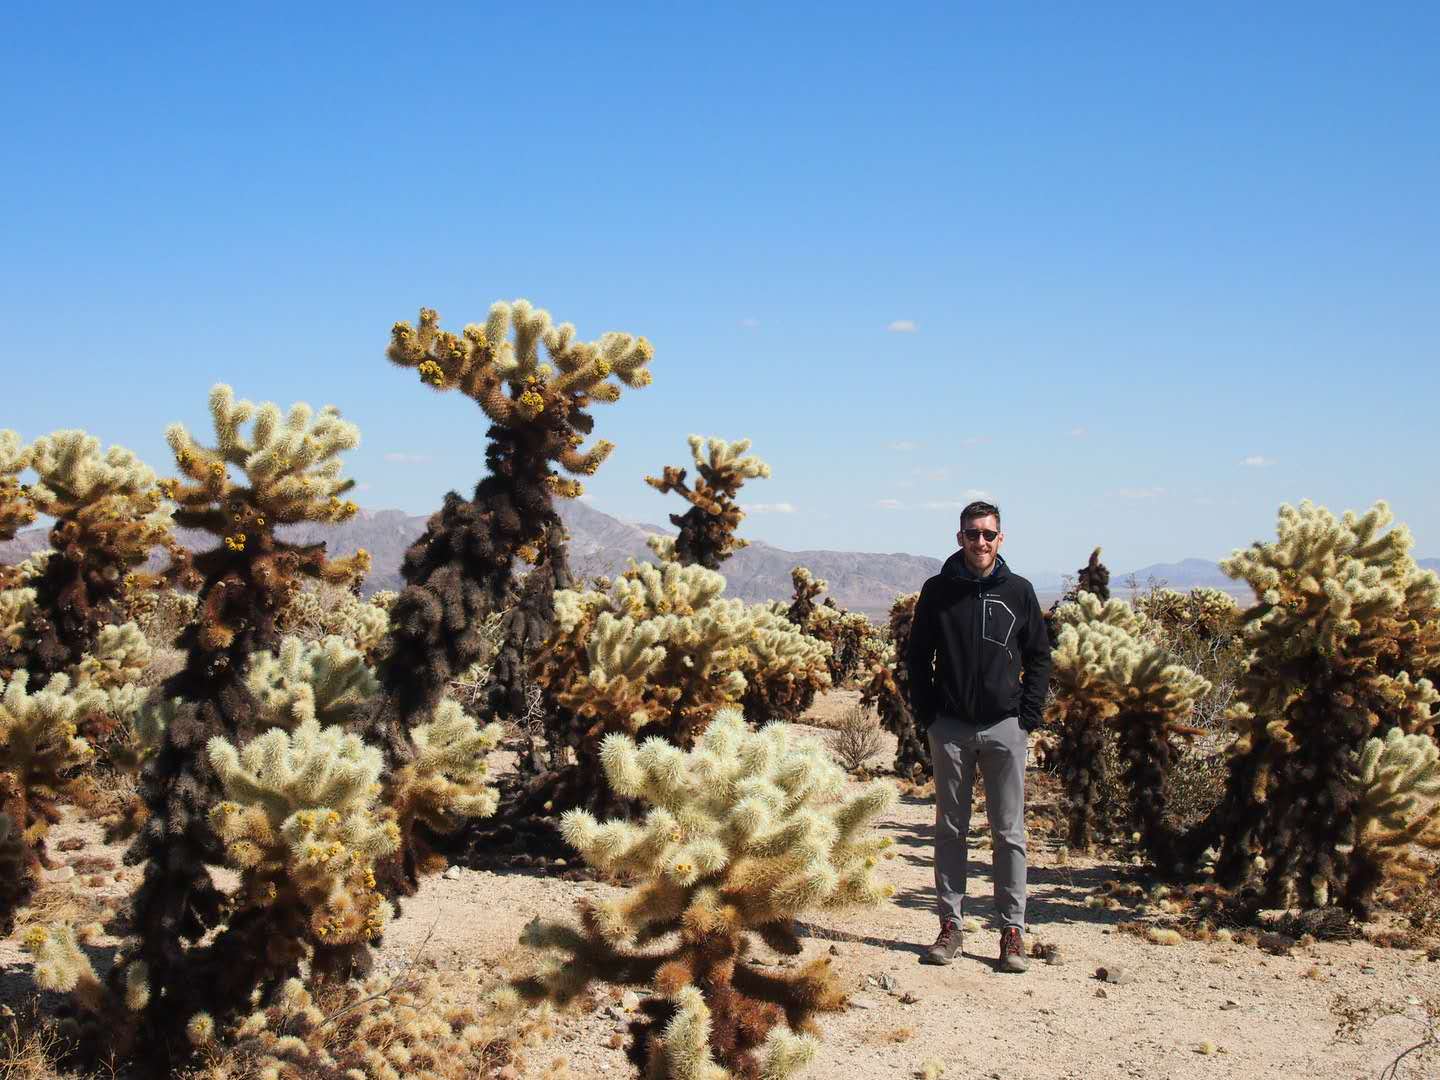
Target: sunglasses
[974,534]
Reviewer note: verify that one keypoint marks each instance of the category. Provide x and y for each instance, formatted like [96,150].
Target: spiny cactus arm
[17,510]
[291,464]
[684,1049]
[482,363]
[61,966]
[39,743]
[326,681]
[1397,774]
[447,781]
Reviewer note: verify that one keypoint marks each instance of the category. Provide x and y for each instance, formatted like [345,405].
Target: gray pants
[956,748]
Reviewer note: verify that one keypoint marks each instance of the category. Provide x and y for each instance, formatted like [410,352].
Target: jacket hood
[956,569]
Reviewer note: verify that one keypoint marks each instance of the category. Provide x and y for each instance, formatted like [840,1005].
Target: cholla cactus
[886,689]
[17,608]
[320,610]
[707,530]
[1399,783]
[109,514]
[15,880]
[1343,631]
[746,833]
[301,821]
[807,588]
[854,643]
[105,1021]
[786,669]
[661,649]
[40,751]
[1111,681]
[327,682]
[291,468]
[16,507]
[462,568]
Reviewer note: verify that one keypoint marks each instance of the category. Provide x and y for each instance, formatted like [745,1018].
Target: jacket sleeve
[1035,655]
[920,659]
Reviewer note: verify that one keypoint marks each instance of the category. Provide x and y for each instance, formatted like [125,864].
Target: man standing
[978,661]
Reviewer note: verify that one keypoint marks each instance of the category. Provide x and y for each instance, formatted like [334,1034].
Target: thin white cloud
[890,504]
[768,508]
[1257,461]
[749,323]
[1079,432]
[1138,493]
[903,446]
[903,326]
[974,440]
[943,504]
[407,459]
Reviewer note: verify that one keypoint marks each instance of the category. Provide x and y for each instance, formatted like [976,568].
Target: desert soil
[1262,1015]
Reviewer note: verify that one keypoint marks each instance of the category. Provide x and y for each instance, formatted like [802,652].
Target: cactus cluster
[1343,638]
[854,642]
[661,650]
[887,691]
[109,512]
[1112,682]
[461,569]
[291,470]
[745,833]
[707,530]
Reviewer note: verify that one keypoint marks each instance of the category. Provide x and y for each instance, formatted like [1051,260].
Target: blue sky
[1142,275]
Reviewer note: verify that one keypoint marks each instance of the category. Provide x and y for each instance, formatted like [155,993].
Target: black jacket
[978,647]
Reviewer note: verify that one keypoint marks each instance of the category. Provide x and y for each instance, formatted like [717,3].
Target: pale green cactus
[17,607]
[75,475]
[1345,641]
[39,743]
[1114,682]
[746,832]
[1398,779]
[684,1048]
[327,682]
[729,458]
[447,782]
[291,462]
[16,508]
[120,657]
[301,820]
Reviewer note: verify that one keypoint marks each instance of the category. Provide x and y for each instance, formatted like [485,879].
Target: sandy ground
[1265,1016]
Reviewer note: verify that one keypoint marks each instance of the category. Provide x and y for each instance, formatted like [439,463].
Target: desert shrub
[746,832]
[1337,712]
[856,738]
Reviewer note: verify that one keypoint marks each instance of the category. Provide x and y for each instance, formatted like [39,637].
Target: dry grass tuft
[856,738]
[28,1047]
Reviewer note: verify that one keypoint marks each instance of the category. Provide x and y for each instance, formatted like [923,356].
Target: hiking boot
[1012,950]
[946,945]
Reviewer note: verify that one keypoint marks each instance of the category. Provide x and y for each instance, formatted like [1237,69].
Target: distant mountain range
[601,544]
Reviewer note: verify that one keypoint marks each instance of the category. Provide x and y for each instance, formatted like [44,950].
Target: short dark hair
[979,509]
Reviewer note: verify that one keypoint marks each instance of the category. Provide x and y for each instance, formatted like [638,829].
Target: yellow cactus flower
[431,373]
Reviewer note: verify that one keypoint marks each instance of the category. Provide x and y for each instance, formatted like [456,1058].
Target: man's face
[980,540]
